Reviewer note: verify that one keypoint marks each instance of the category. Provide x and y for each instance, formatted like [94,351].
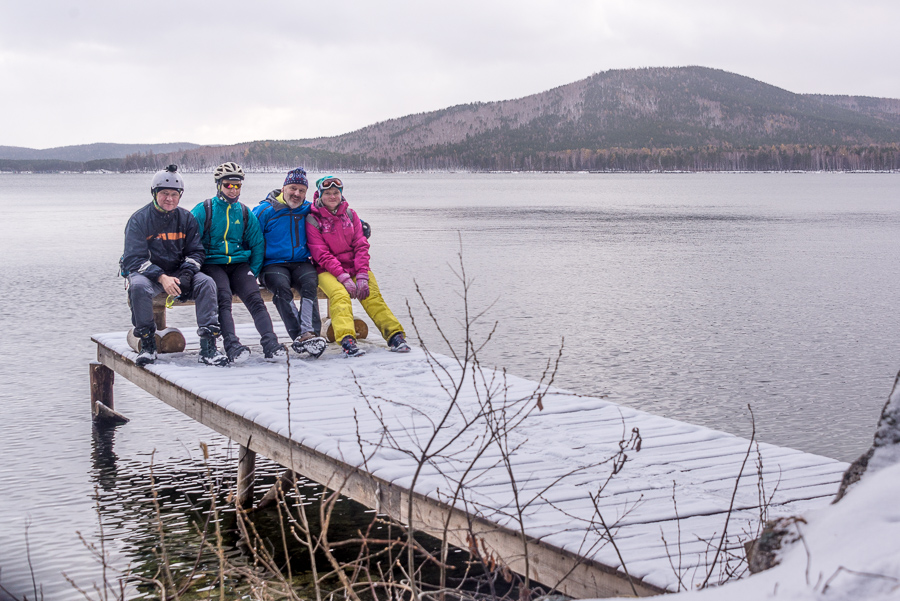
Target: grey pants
[141,291]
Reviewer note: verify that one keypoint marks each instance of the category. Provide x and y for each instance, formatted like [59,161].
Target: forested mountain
[663,112]
[687,118]
[887,109]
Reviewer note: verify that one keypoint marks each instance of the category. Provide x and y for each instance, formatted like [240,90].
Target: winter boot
[209,354]
[147,344]
[398,343]
[238,353]
[310,343]
[350,348]
[276,351]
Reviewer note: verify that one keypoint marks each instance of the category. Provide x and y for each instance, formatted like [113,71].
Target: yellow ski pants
[341,308]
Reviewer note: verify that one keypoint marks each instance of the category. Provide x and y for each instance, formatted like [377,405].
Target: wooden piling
[245,478]
[102,380]
[102,403]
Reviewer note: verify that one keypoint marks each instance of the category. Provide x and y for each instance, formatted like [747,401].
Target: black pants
[237,279]
[279,278]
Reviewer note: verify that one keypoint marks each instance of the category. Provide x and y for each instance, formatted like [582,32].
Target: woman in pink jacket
[341,252]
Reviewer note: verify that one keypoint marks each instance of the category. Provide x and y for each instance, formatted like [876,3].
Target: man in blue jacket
[234,255]
[287,263]
[163,253]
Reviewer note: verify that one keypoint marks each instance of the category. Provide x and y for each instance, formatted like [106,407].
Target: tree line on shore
[267,156]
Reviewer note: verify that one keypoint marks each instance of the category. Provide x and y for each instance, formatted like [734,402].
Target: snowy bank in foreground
[848,551]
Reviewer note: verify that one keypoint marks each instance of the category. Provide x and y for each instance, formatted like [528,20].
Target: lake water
[688,296]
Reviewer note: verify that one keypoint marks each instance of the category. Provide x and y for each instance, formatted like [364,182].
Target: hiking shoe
[310,343]
[350,348]
[209,354]
[397,343]
[147,346]
[276,352]
[238,354]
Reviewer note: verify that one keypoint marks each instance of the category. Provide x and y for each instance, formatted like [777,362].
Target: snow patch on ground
[847,552]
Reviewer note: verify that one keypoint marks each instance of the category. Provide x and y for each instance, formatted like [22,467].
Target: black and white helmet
[228,170]
[167,178]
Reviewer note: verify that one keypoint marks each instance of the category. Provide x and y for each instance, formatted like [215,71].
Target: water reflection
[166,517]
[103,456]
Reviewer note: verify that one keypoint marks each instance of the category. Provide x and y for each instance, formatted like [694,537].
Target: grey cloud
[288,69]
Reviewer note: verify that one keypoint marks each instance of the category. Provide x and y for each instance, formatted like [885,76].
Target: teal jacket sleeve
[257,243]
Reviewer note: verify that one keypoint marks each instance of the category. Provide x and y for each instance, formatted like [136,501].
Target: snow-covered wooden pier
[525,468]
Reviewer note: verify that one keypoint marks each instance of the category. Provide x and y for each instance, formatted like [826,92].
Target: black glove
[185,282]
[366,228]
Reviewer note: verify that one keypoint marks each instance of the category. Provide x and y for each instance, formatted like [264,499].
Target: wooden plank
[576,576]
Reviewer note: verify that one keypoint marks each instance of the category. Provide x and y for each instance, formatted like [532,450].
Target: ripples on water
[689,296]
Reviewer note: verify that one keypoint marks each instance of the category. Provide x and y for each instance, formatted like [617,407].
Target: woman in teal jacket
[235,250]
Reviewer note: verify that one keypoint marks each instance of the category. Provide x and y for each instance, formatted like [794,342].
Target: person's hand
[170,285]
[185,283]
[347,281]
[362,287]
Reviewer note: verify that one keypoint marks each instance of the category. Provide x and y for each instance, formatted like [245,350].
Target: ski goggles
[331,182]
[232,185]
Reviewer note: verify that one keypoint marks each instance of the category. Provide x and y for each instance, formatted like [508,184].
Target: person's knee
[278,284]
[203,285]
[339,298]
[309,286]
[140,287]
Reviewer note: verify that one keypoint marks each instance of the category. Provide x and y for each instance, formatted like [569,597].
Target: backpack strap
[310,218]
[244,231]
[207,235]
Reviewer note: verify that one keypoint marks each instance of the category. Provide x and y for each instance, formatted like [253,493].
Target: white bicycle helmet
[167,178]
[228,170]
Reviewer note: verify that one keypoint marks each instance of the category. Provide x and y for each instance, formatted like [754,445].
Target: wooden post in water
[102,404]
[245,478]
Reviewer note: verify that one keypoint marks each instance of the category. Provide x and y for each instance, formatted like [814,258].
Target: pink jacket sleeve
[321,254]
[360,246]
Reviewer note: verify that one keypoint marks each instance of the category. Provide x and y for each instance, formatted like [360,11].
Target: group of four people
[220,248]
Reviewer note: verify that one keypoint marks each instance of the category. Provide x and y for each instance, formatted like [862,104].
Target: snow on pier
[498,464]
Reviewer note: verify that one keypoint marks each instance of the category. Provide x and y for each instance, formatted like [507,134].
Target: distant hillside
[632,109]
[89,152]
[655,119]
[882,108]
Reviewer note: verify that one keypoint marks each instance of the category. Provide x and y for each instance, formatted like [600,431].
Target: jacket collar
[276,201]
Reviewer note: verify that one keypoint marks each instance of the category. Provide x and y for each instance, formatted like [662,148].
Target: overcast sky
[229,71]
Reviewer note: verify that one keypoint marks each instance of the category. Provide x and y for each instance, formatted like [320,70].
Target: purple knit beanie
[296,176]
